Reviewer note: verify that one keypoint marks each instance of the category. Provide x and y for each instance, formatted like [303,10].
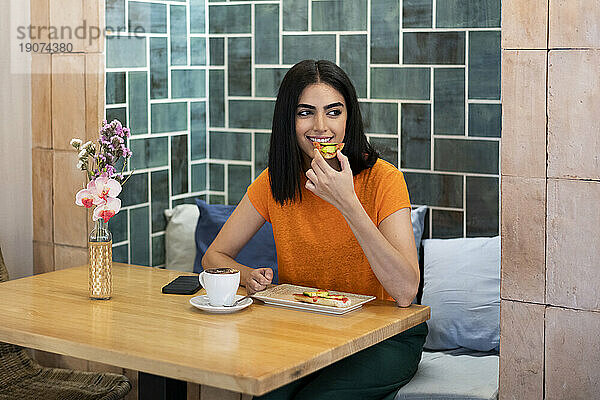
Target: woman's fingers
[257,286]
[312,176]
[261,276]
[259,279]
[268,274]
[344,163]
[318,163]
[253,286]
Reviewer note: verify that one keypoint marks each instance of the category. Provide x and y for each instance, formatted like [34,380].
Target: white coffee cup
[221,285]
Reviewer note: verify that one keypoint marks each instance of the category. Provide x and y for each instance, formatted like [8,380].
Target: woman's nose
[320,124]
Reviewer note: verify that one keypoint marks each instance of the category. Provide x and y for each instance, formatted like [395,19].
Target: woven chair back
[3,270]
[23,378]
[10,355]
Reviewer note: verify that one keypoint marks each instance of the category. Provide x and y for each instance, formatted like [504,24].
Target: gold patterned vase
[100,253]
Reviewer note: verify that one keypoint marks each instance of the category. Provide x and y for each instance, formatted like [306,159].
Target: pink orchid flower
[107,187]
[85,197]
[107,210]
[97,191]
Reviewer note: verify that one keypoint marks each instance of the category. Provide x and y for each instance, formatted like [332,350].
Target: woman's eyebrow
[338,104]
[327,107]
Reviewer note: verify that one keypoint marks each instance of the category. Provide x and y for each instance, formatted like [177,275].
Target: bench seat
[456,374]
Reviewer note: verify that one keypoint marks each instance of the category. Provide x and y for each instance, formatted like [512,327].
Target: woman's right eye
[303,113]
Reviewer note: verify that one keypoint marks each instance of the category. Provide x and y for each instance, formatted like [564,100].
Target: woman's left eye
[334,112]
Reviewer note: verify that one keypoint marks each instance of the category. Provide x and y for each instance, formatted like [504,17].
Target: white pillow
[180,242]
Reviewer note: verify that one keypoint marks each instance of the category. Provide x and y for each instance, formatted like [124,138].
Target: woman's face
[320,116]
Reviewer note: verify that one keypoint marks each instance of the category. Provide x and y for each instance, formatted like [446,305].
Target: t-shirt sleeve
[259,193]
[392,194]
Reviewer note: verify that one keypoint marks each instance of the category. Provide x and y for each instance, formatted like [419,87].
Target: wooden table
[252,351]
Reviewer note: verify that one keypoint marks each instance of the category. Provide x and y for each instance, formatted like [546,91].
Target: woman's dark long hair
[285,156]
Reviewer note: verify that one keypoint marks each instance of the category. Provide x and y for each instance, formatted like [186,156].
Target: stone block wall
[67,101]
[550,185]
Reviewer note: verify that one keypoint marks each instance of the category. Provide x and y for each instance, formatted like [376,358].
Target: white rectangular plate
[282,295]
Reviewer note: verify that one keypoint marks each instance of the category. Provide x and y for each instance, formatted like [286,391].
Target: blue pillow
[259,251]
[462,287]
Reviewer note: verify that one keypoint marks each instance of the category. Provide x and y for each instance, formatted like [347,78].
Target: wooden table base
[154,387]
[203,392]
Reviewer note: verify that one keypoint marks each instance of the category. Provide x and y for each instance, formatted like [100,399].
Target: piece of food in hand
[323,297]
[328,150]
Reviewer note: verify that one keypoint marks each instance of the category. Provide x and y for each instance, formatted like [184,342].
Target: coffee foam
[221,271]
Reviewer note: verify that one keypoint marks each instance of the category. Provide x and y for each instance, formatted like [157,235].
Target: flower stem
[126,179]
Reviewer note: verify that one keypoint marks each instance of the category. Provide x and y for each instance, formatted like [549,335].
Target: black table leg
[154,387]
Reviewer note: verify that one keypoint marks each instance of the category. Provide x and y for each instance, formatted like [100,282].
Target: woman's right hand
[258,279]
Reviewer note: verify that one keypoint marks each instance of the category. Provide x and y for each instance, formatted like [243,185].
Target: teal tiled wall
[196,80]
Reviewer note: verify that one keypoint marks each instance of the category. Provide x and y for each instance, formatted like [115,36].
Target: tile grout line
[399,134]
[464,205]
[368,94]
[466,110]
[466,128]
[432,119]
[547,78]
[401,33]
[337,49]
[309,15]
[208,61]
[149,182]
[400,60]
[280,31]
[252,50]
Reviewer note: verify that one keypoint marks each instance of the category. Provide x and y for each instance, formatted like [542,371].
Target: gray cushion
[446,375]
[417,217]
[462,287]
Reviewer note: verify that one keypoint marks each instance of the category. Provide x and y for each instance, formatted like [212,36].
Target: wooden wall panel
[68,17]
[40,16]
[94,14]
[42,171]
[94,94]
[69,256]
[43,257]
[70,220]
[41,100]
[68,99]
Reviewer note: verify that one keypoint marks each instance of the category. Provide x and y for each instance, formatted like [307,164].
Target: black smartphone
[182,285]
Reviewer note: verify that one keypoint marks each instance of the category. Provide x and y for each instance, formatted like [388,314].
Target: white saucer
[202,303]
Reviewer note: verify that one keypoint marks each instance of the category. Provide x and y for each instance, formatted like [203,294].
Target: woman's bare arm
[390,249]
[241,226]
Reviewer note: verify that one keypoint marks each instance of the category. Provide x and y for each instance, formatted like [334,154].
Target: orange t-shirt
[315,246]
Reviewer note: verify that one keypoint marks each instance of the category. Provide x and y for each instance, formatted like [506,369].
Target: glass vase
[100,253]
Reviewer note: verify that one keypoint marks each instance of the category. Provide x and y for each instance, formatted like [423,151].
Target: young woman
[342,224]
